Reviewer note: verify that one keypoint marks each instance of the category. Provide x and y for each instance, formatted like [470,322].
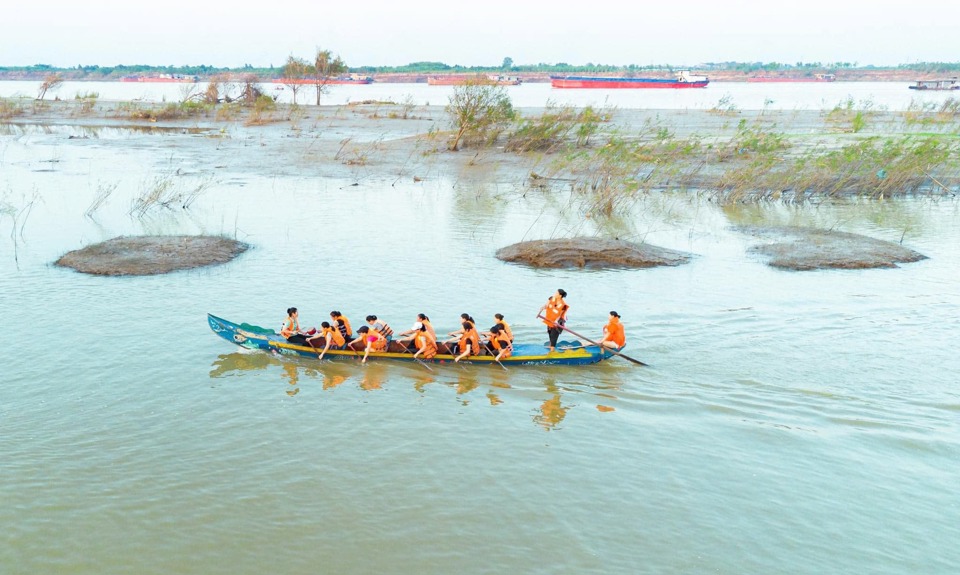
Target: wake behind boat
[257,338]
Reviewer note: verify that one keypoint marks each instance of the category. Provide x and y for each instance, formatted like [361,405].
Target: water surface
[790,422]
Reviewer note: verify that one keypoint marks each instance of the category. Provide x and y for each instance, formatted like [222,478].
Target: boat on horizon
[936,84]
[161,78]
[814,78]
[343,79]
[683,79]
[461,79]
[257,338]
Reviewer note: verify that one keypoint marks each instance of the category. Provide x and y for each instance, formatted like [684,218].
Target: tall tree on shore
[325,67]
[293,73]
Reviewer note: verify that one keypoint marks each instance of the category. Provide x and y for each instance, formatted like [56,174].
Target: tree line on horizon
[97,72]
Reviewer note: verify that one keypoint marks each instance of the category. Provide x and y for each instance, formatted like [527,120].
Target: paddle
[602,348]
[407,350]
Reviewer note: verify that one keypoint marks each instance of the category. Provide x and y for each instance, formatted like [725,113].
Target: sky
[390,33]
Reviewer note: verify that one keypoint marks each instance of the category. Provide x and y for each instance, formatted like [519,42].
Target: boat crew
[506,326]
[425,342]
[469,342]
[380,327]
[422,321]
[291,328]
[465,318]
[554,315]
[332,336]
[343,324]
[373,340]
[500,343]
[613,334]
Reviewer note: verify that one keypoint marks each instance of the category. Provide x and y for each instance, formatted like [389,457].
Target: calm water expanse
[892,96]
[790,422]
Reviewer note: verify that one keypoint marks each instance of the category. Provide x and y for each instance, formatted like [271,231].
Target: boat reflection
[549,389]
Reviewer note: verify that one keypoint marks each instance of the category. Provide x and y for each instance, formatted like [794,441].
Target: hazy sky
[379,32]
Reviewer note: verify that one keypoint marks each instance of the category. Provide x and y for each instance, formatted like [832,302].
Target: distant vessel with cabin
[683,79]
[461,79]
[936,84]
[814,78]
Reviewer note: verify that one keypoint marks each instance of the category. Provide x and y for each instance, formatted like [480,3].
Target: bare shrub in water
[479,110]
[9,108]
[557,127]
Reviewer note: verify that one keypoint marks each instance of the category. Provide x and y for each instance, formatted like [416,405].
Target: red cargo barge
[683,80]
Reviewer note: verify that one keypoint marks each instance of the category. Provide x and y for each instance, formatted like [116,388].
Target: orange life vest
[470,336]
[375,341]
[426,343]
[429,327]
[507,330]
[345,328]
[556,309]
[334,335]
[502,341]
[290,326]
[615,333]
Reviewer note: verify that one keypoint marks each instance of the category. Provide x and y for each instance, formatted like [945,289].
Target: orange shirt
[614,332]
[426,343]
[346,324]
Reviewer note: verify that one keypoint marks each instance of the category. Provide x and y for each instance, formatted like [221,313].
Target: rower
[425,342]
[506,326]
[469,342]
[332,337]
[343,324]
[555,316]
[500,342]
[291,328]
[373,340]
[380,327]
[613,334]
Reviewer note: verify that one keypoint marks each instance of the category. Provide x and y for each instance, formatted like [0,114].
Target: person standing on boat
[613,334]
[380,327]
[373,341]
[343,324]
[554,315]
[332,336]
[291,328]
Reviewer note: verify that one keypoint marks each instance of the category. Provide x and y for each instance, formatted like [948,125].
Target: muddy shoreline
[384,142]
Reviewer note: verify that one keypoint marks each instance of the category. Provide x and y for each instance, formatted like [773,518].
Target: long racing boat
[257,338]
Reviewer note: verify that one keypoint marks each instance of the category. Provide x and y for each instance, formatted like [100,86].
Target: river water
[789,422]
[894,96]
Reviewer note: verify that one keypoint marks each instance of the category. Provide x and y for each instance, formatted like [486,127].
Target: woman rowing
[422,321]
[373,340]
[465,318]
[380,327]
[425,342]
[500,342]
[469,342]
[554,314]
[613,334]
[343,324]
[506,326]
[291,328]
[331,335]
